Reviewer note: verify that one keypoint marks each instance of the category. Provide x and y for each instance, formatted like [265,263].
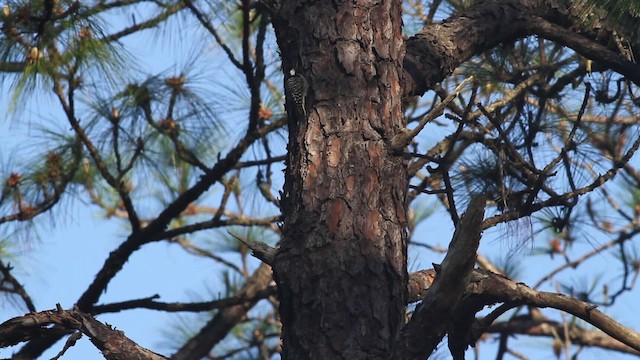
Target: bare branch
[147,24]
[151,303]
[490,288]
[216,329]
[207,25]
[112,343]
[431,320]
[585,47]
[16,287]
[401,140]
[551,329]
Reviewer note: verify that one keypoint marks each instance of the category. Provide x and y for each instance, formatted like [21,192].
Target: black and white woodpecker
[297,88]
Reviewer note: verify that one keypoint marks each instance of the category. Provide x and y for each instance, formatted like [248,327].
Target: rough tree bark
[344,236]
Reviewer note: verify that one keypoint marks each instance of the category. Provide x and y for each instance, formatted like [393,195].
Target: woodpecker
[297,87]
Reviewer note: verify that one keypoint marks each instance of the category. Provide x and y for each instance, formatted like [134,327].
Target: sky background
[61,256]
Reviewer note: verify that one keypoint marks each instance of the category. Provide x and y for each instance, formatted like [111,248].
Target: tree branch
[438,49]
[151,303]
[577,335]
[488,288]
[218,327]
[112,343]
[435,51]
[586,47]
[401,140]
[430,321]
[16,287]
[117,258]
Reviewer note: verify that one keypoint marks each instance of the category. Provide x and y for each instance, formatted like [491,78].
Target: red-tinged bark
[341,269]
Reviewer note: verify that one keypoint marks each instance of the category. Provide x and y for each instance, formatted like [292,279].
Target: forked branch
[401,140]
[430,321]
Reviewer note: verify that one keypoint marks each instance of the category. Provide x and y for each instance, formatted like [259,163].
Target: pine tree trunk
[341,268]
